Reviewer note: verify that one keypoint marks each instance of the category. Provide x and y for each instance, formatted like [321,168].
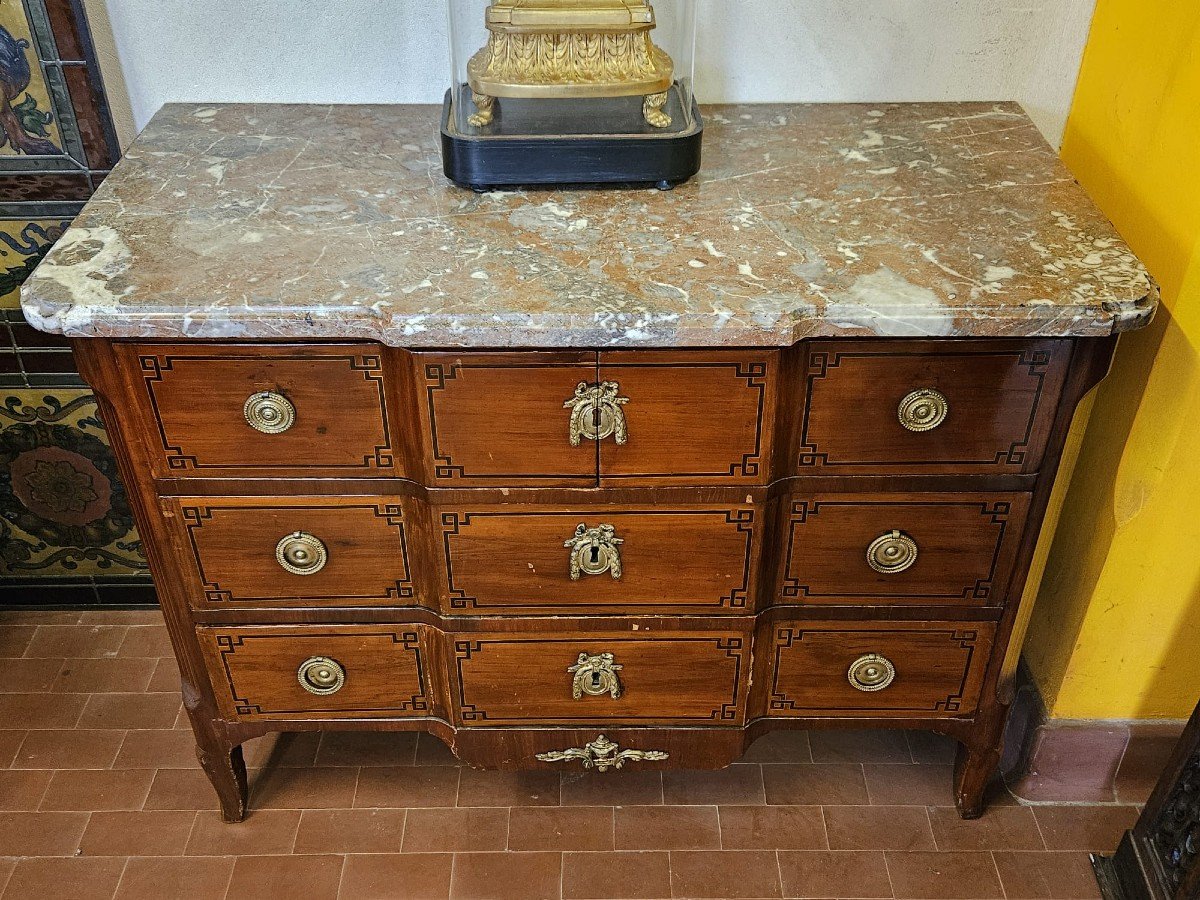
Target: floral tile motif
[22,245]
[63,509]
[28,124]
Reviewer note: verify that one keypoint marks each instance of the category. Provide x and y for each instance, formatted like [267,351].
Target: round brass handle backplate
[269,412]
[892,552]
[321,675]
[923,410]
[301,553]
[871,673]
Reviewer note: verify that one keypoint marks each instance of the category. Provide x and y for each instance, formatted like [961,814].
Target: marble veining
[325,222]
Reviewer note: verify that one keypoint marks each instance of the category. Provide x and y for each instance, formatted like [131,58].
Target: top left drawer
[255,411]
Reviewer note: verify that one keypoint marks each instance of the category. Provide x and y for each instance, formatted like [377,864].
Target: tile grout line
[937,846]
[932,836]
[121,877]
[867,782]
[187,842]
[1037,823]
[999,877]
[229,882]
[296,833]
[46,790]
[887,868]
[341,876]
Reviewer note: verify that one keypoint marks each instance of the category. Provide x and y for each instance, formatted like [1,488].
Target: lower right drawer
[874,668]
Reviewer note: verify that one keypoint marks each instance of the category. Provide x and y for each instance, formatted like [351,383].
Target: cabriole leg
[226,769]
[973,769]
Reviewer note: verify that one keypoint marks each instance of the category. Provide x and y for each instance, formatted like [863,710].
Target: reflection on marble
[940,219]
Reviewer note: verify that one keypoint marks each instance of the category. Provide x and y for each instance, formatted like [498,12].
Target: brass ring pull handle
[269,412]
[596,413]
[321,675]
[301,553]
[923,410]
[602,755]
[871,673]
[892,553]
[595,551]
[595,676]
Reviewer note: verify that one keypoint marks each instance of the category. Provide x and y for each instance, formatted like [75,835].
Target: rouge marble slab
[323,222]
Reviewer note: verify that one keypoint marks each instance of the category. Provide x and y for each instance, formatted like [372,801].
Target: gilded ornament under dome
[570,49]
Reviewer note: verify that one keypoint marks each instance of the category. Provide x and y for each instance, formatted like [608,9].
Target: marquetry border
[787,636]
[228,644]
[1036,362]
[154,367]
[195,515]
[438,376]
[755,376]
[742,518]
[736,647]
[802,511]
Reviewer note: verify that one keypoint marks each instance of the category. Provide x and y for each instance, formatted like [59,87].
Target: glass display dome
[608,75]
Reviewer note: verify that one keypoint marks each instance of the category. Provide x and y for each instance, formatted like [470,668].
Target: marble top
[325,222]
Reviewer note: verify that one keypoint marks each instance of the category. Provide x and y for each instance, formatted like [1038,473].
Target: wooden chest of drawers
[511,548]
[612,480]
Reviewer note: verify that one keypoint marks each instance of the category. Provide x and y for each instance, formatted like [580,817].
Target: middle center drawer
[540,558]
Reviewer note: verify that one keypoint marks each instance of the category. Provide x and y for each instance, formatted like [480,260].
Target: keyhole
[595,556]
[595,679]
[596,417]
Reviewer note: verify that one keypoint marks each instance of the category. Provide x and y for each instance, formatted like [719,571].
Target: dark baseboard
[84,592]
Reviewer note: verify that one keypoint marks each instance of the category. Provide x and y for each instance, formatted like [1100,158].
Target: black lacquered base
[534,148]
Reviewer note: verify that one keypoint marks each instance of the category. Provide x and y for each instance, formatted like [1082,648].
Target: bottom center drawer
[632,676]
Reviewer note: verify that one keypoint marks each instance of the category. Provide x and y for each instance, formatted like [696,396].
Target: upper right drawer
[929,407]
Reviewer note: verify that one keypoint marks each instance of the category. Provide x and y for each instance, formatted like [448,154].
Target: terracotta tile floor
[100,797]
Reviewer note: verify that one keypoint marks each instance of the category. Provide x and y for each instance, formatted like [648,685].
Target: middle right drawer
[887,549]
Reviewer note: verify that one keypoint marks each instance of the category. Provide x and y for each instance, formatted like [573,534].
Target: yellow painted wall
[1116,629]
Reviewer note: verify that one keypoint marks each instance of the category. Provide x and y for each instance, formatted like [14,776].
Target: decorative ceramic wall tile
[66,534]
[63,510]
[22,245]
[56,137]
[27,116]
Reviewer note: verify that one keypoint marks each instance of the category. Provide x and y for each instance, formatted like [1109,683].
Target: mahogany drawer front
[665,677]
[915,668]
[196,400]
[297,551]
[1000,399]
[891,549]
[692,418]
[377,671]
[498,418]
[523,558]
[523,419]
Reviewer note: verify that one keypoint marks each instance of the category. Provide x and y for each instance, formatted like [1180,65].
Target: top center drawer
[628,417]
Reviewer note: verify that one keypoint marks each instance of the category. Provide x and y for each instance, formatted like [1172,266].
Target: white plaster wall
[378,51]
